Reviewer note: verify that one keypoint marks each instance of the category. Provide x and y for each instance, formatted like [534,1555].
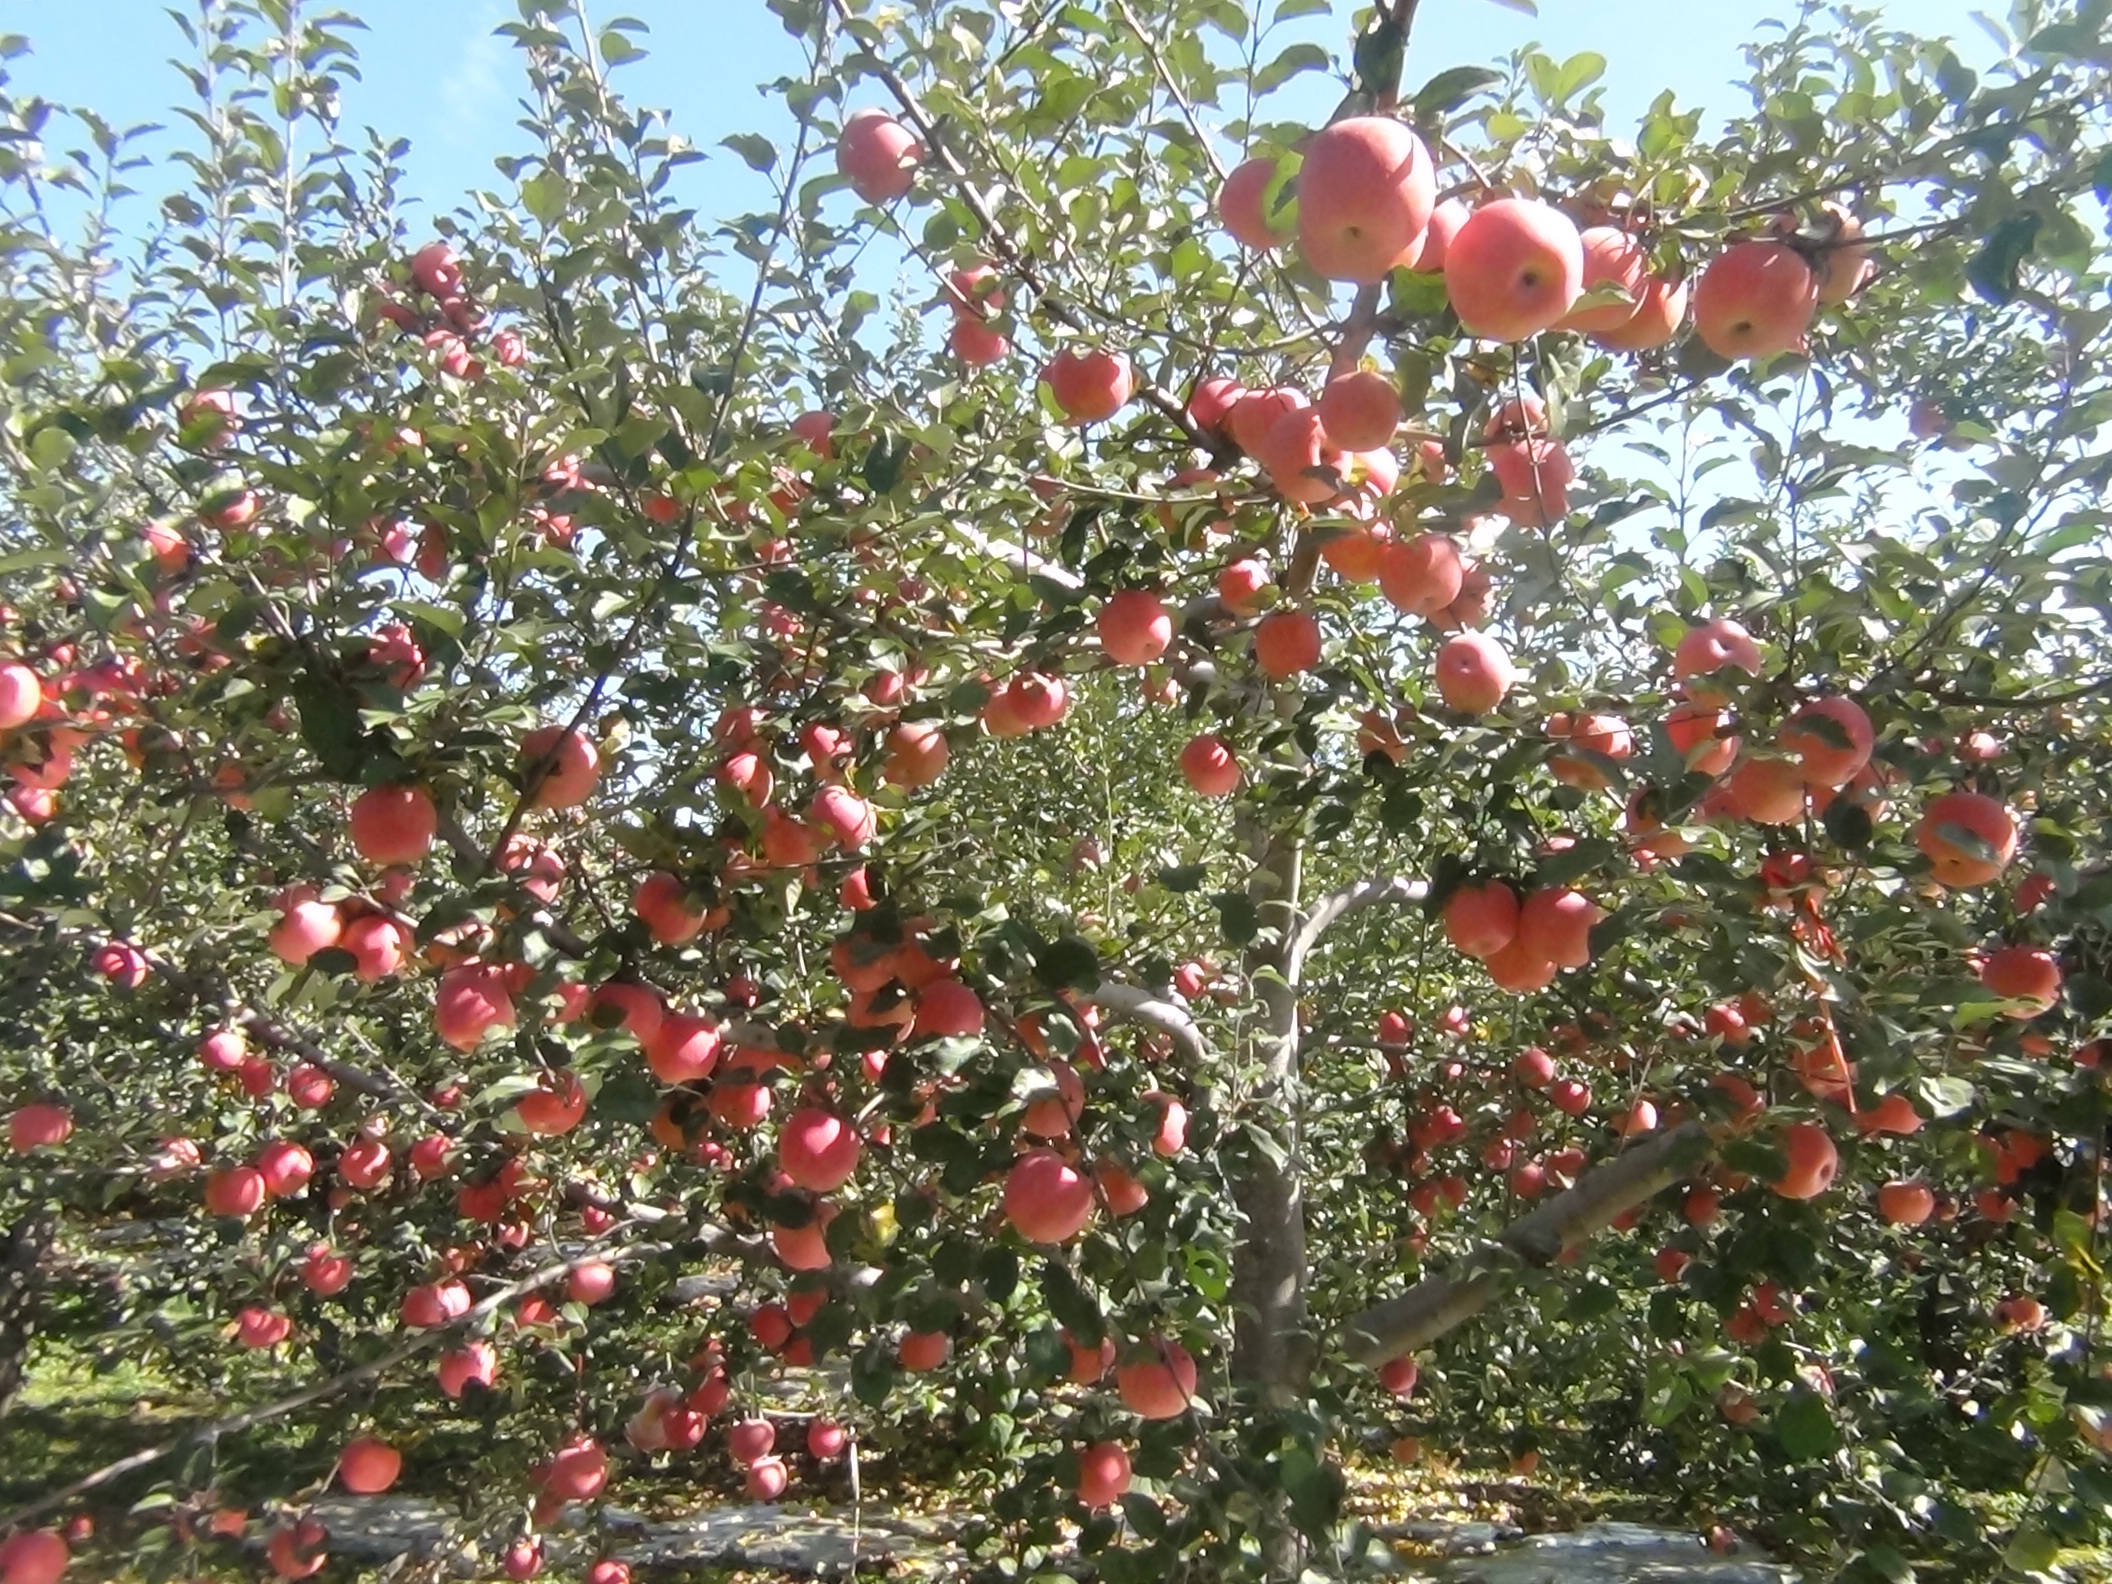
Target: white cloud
[470,93]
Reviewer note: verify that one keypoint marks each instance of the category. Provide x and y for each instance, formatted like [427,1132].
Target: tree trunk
[21,1261]
[1272,1351]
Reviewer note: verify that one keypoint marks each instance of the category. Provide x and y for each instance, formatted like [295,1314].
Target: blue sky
[435,74]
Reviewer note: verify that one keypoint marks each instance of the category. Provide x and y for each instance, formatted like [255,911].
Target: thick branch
[1435,1305]
[1394,889]
[1019,556]
[1141,1006]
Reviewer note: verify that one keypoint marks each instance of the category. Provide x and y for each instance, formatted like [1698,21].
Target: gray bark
[1436,1304]
[22,1253]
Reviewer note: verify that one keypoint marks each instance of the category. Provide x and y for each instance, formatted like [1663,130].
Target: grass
[79,1411]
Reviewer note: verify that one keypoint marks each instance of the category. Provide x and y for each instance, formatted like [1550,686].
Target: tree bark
[1271,1352]
[1436,1304]
[21,1279]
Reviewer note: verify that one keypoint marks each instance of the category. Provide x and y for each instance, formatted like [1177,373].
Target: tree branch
[1141,1006]
[1001,239]
[1437,1304]
[1398,890]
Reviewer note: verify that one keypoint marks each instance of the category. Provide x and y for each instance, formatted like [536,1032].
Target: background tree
[1103,784]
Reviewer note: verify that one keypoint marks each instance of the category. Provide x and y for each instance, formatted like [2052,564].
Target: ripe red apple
[2027,975]
[1515,268]
[393,824]
[1243,206]
[1421,575]
[365,1164]
[1612,259]
[1766,791]
[1754,300]
[1399,1376]
[559,766]
[1087,385]
[38,1126]
[662,904]
[260,1328]
[1103,1474]
[234,1191]
[842,815]
[1251,418]
[21,695]
[1846,266]
[368,1466]
[1211,406]
[1302,463]
[1445,221]
[1209,767]
[477,1362]
[917,752]
[1473,673]
[1533,1067]
[35,1556]
[1712,647]
[1239,586]
[1365,193]
[1134,627]
[1047,1199]
[920,1352]
[947,1009]
[1906,1203]
[817,1149]
[683,1048]
[1661,308]
[1159,1385]
[1812,1159]
[1969,838]
[1287,643]
[1830,738]
[471,1001]
[1481,920]
[878,155]
[815,430]
[1360,410]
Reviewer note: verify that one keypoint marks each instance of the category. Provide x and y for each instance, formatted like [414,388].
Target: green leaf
[1526,7]
[1451,88]
[758,151]
[330,726]
[1068,964]
[1074,1310]
[1300,57]
[1579,72]
[1946,1096]
[544,195]
[1994,270]
[1315,1491]
[1805,1428]
[885,460]
[1238,917]
[873,1373]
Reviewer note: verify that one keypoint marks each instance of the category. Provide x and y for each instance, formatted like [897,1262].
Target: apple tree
[1181,776]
